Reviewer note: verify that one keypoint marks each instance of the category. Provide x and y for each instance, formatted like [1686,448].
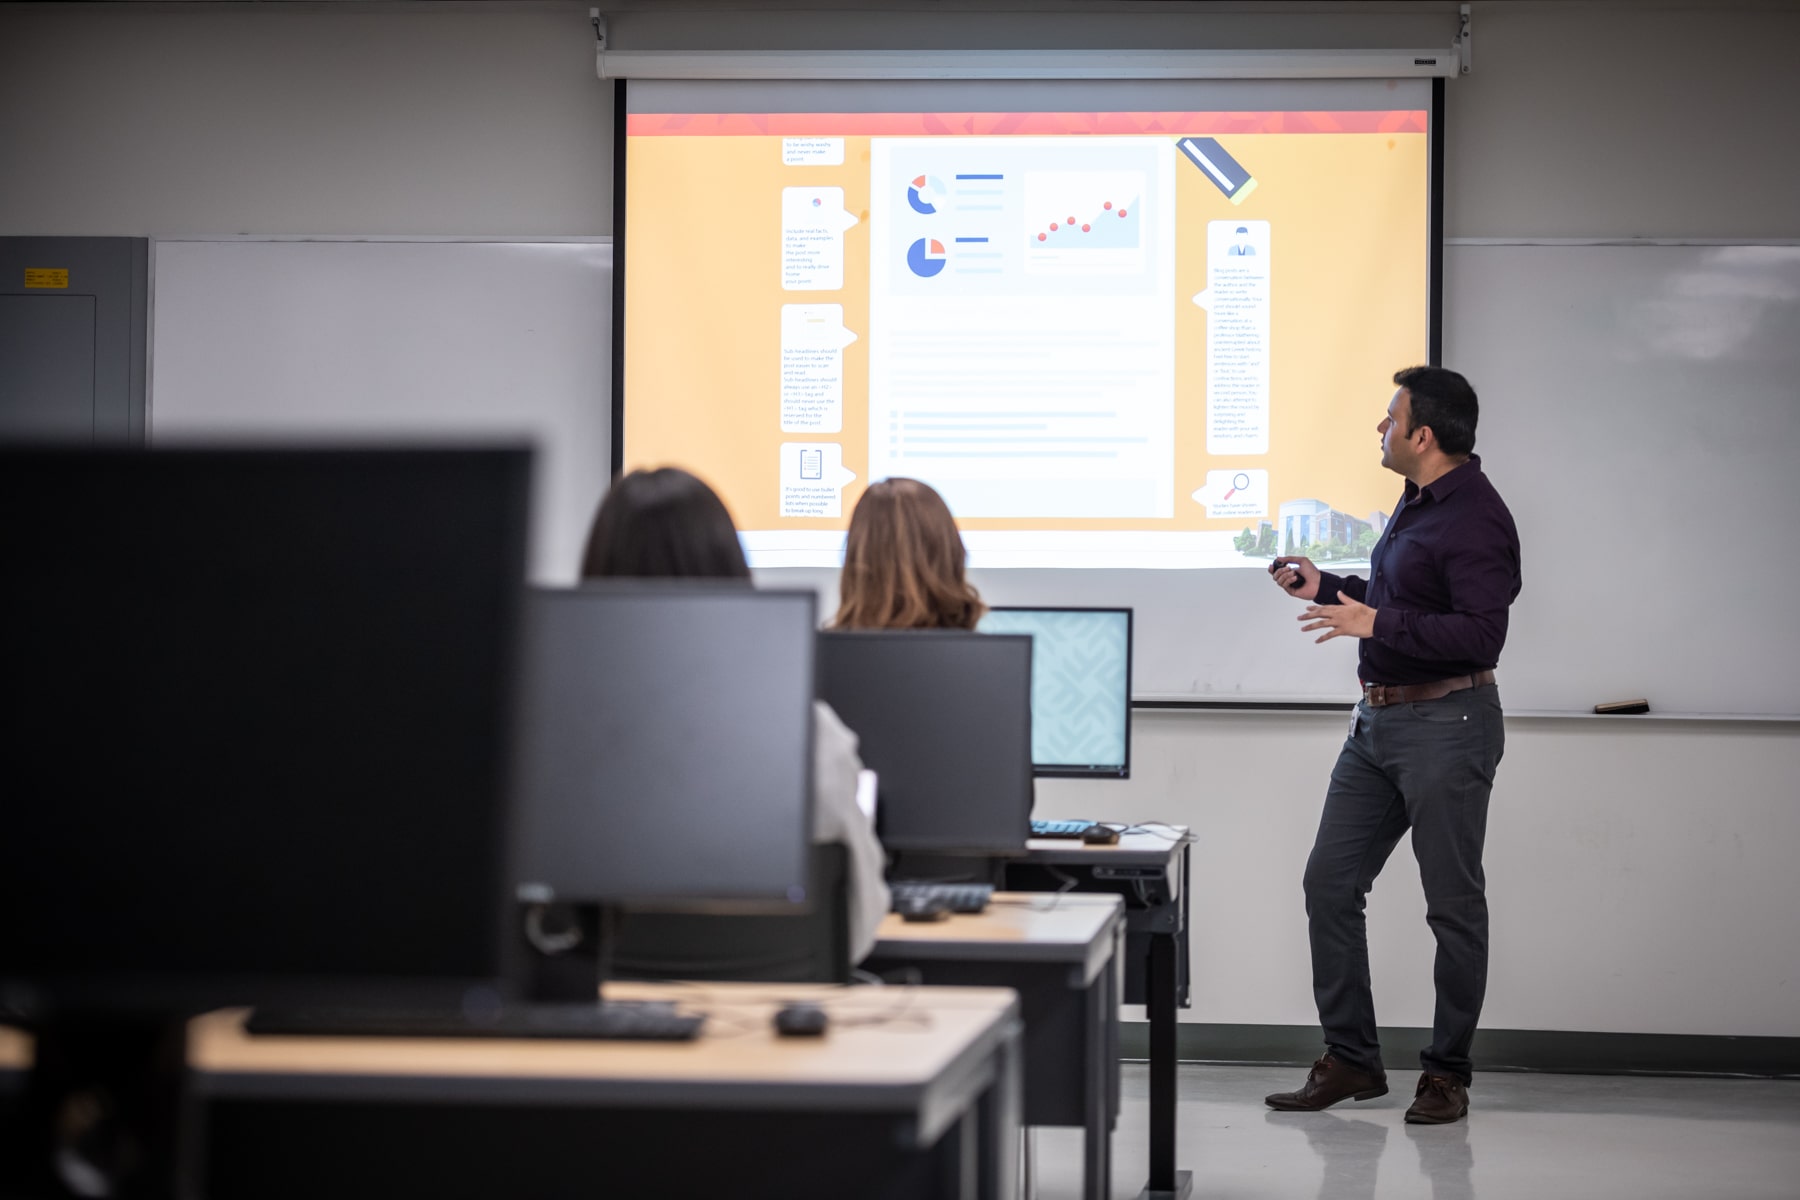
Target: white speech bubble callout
[1236,300]
[813,479]
[813,338]
[1235,492]
[813,221]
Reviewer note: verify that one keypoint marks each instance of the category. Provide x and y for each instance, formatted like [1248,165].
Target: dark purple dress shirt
[1440,579]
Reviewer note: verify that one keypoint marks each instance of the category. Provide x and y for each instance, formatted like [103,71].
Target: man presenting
[1423,745]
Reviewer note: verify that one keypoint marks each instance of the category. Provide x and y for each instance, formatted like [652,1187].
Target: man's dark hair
[1445,401]
[663,524]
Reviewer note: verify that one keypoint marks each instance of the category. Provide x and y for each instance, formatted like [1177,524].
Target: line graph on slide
[1084,221]
[1114,227]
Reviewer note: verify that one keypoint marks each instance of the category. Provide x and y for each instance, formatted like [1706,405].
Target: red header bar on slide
[1171,124]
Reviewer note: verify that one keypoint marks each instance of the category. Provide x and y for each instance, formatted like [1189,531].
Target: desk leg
[998,1114]
[1102,1078]
[1097,1137]
[1163,986]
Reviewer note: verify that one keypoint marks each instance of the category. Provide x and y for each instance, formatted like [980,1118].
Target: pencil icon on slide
[1218,166]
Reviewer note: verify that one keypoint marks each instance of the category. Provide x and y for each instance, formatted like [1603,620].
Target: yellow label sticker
[46,277]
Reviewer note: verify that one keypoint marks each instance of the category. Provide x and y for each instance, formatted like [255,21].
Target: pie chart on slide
[925,257]
[924,194]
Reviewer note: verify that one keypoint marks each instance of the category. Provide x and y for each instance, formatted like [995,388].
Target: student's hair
[663,524]
[1445,401]
[903,563]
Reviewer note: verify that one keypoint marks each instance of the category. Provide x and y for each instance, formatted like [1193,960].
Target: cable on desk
[1069,884]
[736,1024]
[909,990]
[1150,828]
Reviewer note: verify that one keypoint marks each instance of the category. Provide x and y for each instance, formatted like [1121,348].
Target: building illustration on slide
[1315,529]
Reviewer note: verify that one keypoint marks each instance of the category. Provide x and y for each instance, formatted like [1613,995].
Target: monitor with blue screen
[1080,687]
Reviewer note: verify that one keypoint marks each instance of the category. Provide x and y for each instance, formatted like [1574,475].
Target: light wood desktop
[884,1046]
[1136,847]
[929,1077]
[1016,926]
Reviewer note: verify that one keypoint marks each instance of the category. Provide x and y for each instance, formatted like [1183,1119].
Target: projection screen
[1138,334]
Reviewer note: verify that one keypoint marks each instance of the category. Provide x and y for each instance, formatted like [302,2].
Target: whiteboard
[1640,413]
[396,341]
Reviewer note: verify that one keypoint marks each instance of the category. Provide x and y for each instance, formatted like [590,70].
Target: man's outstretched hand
[1346,618]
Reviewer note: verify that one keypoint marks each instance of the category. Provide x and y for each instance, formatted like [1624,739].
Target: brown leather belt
[1380,695]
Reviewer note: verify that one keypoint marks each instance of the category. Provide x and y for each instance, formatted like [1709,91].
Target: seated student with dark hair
[667,524]
[904,563]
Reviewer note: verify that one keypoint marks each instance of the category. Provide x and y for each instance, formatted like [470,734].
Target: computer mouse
[1100,835]
[801,1019]
[922,908]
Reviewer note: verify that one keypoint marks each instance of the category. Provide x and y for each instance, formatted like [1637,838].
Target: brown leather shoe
[1439,1101]
[1329,1082]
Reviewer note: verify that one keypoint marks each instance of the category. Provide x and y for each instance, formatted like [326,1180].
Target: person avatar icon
[1242,247]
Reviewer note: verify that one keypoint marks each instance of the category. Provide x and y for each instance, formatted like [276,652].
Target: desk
[1061,954]
[924,1103]
[1150,870]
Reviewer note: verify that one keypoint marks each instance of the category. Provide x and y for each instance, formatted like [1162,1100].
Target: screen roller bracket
[1465,44]
[598,21]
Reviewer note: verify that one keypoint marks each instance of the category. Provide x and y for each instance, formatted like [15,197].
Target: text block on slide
[1236,300]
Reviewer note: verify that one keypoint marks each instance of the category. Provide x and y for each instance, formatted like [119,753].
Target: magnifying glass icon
[1239,483]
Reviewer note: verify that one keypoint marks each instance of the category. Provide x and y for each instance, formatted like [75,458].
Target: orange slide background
[1348,244]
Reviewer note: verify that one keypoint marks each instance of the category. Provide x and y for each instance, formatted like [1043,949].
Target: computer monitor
[944,720]
[1080,688]
[255,724]
[666,745]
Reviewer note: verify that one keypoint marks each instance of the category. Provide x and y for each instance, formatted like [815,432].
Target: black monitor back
[812,946]
[666,745]
[255,723]
[944,720]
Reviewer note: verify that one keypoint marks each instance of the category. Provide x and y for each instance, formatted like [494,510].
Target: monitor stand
[107,1110]
[566,947]
[565,957]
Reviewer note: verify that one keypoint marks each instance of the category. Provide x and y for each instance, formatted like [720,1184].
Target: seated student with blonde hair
[904,563]
[667,524]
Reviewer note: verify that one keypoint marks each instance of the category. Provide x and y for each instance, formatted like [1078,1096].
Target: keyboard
[649,1022]
[1060,829]
[957,897]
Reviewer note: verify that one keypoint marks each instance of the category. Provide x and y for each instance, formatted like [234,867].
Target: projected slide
[1025,378]
[1127,339]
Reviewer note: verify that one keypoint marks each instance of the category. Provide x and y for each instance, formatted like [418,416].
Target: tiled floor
[1528,1137]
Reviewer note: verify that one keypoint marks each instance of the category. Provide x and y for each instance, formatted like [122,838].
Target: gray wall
[1640,875]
